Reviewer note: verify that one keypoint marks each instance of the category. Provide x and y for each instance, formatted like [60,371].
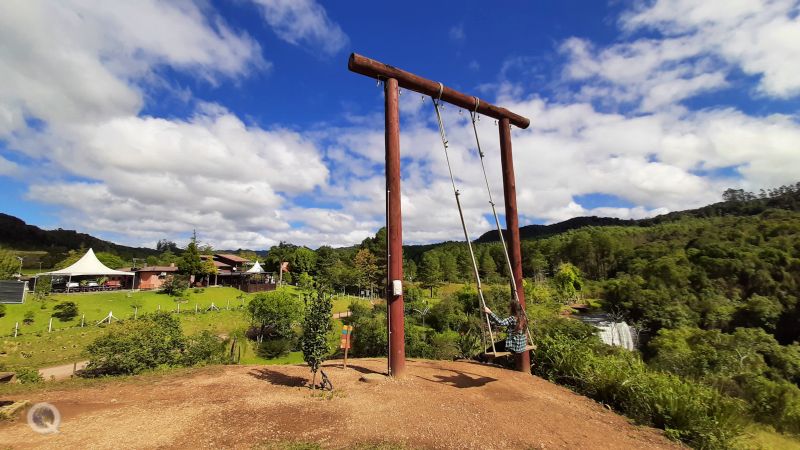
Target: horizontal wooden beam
[378,70]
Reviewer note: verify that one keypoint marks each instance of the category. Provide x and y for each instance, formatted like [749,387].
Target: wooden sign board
[347,331]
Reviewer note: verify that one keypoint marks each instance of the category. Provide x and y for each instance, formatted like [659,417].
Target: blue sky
[140,121]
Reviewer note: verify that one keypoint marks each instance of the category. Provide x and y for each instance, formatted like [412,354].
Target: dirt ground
[438,404]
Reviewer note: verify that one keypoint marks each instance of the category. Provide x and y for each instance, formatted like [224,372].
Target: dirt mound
[437,405]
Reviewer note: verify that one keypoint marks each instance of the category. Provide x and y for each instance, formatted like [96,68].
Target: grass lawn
[35,347]
[341,303]
[764,437]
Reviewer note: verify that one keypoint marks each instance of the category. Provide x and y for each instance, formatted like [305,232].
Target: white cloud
[80,61]
[700,43]
[305,23]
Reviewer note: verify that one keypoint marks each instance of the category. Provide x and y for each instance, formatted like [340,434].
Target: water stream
[610,332]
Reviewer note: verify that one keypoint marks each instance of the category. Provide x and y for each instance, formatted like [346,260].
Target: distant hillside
[16,234]
[736,203]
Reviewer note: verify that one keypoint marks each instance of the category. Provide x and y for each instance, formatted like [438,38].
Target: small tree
[305,282]
[274,313]
[28,318]
[316,326]
[190,263]
[65,311]
[174,285]
[9,264]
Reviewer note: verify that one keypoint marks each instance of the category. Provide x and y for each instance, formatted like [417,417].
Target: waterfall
[610,332]
[616,333]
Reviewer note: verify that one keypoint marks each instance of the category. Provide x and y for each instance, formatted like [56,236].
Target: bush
[29,375]
[131,347]
[444,345]
[273,348]
[65,311]
[204,348]
[28,318]
[2,310]
[693,413]
[274,313]
[175,285]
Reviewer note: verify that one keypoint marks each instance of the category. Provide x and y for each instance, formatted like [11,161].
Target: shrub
[131,347]
[444,345]
[28,318]
[274,313]
[175,285]
[693,413]
[273,348]
[29,375]
[65,311]
[2,310]
[203,348]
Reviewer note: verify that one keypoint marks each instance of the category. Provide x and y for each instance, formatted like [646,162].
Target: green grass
[96,305]
[758,437]
[341,303]
[36,347]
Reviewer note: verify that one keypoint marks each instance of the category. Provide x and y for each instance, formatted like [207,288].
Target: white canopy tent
[256,268]
[87,265]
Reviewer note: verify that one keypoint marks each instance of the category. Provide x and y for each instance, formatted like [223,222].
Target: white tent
[87,265]
[256,268]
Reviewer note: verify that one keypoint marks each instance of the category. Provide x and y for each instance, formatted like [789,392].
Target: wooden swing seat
[503,354]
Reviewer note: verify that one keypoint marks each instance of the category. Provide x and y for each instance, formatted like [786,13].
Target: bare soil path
[63,371]
[439,404]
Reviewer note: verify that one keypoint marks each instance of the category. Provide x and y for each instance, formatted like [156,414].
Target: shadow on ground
[461,379]
[277,378]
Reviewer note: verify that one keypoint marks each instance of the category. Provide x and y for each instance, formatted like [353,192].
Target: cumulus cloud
[77,76]
[304,23]
[80,61]
[697,47]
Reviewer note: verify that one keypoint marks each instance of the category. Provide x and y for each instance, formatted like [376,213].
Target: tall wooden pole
[523,361]
[394,232]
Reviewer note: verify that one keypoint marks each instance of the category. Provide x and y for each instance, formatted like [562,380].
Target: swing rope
[473,115]
[457,194]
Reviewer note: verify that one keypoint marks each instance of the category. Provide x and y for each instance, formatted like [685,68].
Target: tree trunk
[314,380]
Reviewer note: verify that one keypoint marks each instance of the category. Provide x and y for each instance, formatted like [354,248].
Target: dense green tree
[365,265]
[449,268]
[273,313]
[430,272]
[9,264]
[190,262]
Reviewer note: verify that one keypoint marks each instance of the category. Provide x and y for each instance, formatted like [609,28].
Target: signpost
[347,336]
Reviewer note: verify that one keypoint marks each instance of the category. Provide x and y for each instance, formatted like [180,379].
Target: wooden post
[135,312]
[523,360]
[16,329]
[83,319]
[50,326]
[74,367]
[394,229]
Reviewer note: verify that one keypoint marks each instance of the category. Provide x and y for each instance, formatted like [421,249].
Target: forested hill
[16,234]
[736,202]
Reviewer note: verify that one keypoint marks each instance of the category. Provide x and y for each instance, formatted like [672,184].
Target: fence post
[50,326]
[83,318]
[16,329]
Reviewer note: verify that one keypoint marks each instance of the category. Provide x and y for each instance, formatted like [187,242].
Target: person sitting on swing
[516,327]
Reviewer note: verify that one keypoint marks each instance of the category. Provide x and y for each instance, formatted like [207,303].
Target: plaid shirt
[516,340]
